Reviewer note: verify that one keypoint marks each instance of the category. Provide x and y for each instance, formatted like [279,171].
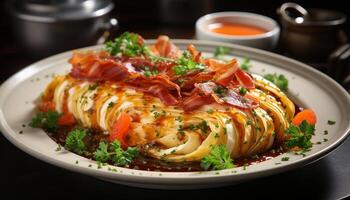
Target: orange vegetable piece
[307,115]
[66,119]
[121,128]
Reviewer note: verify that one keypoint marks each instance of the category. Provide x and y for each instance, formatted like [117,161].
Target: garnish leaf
[219,158]
[102,154]
[46,120]
[279,80]
[220,51]
[246,65]
[120,157]
[186,64]
[300,136]
[127,44]
[113,152]
[74,141]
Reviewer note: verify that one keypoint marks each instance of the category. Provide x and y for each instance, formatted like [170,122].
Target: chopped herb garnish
[111,104]
[285,159]
[179,118]
[186,64]
[158,114]
[279,80]
[221,51]
[242,90]
[93,86]
[203,126]
[148,73]
[330,122]
[325,132]
[219,158]
[59,147]
[192,127]
[127,44]
[220,90]
[210,111]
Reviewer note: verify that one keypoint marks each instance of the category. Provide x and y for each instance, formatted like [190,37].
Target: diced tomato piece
[121,128]
[307,115]
[66,119]
[46,106]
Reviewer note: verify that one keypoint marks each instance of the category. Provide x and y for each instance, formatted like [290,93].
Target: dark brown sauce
[143,162]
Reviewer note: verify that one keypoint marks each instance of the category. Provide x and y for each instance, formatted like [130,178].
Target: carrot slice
[307,115]
[120,129]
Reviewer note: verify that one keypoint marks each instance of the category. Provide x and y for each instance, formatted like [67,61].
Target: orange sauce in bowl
[235,29]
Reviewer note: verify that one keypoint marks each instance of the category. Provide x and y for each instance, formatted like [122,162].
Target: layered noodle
[170,132]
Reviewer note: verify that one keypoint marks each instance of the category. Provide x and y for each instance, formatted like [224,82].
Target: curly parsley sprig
[114,153]
[46,120]
[74,141]
[300,136]
[219,158]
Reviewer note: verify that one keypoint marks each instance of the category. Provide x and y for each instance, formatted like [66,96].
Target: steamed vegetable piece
[279,80]
[114,153]
[219,158]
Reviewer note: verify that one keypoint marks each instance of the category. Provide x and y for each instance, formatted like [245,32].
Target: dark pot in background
[310,35]
[44,28]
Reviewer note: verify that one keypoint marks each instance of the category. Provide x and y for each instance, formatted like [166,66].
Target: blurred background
[175,18]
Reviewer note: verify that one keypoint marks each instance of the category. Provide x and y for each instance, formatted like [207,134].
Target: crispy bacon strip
[196,101]
[197,87]
[97,66]
[163,47]
[225,73]
[230,97]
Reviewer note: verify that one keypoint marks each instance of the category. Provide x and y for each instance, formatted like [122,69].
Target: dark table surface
[328,178]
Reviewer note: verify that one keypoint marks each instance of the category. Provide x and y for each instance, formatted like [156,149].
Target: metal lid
[59,10]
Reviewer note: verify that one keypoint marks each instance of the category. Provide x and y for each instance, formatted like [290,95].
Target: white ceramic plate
[307,87]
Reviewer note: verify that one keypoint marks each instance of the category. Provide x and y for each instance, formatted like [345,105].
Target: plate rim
[35,67]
